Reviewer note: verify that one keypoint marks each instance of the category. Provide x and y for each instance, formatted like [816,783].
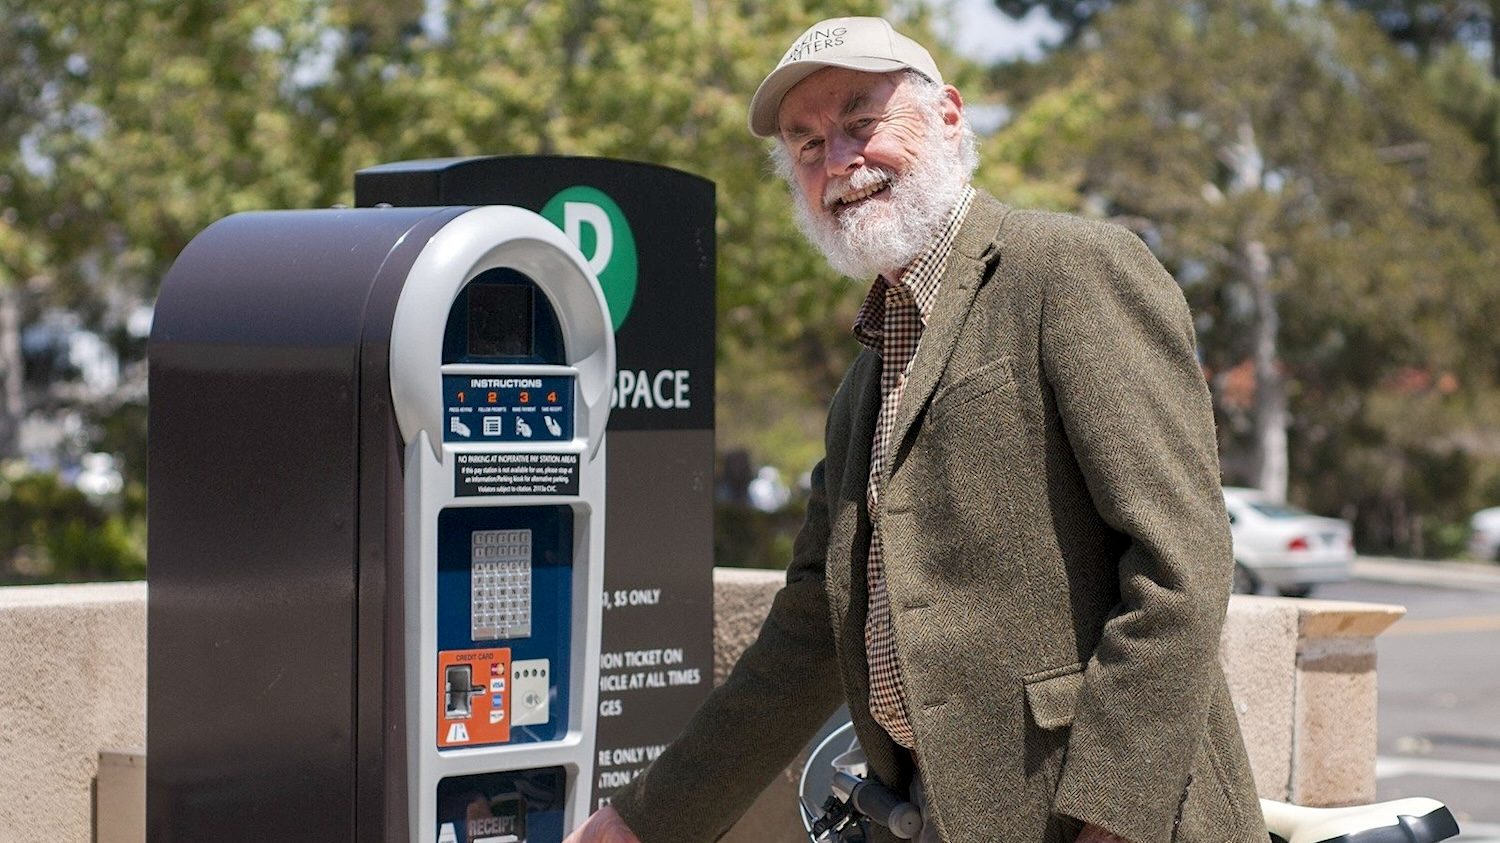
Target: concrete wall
[73,685]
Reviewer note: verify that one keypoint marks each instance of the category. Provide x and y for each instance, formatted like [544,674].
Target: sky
[979,30]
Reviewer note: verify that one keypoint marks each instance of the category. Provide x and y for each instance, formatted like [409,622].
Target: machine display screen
[500,322]
[500,596]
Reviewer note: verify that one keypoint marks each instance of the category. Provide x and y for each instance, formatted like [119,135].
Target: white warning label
[515,474]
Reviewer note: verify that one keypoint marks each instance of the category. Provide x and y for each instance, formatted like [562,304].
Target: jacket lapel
[974,251]
[846,558]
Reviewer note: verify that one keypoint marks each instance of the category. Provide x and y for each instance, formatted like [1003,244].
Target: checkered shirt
[890,323]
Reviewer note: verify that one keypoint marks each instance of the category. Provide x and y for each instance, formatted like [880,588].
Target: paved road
[1439,729]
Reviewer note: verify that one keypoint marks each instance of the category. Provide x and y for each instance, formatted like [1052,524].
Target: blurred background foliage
[1323,178]
[55,533]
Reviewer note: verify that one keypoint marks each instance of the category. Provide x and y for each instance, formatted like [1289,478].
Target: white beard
[883,234]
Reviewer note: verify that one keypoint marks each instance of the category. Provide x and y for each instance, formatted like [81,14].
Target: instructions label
[527,408]
[515,474]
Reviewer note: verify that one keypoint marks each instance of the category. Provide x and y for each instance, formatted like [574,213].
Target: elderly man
[1016,557]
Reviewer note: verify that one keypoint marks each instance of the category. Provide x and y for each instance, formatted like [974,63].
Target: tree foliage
[1219,131]
[1430,26]
[153,119]
[1456,41]
[50,532]
[1469,95]
[1302,130]
[1425,26]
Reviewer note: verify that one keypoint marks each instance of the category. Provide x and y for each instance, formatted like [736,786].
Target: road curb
[1458,575]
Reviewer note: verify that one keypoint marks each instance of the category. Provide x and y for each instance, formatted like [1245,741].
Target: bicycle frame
[855,802]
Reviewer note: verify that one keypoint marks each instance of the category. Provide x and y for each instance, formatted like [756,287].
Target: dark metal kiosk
[377,542]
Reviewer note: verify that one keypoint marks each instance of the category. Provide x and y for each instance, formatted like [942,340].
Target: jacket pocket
[1205,810]
[973,384]
[1052,695]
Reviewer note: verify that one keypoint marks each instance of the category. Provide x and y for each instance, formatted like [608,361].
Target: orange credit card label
[473,697]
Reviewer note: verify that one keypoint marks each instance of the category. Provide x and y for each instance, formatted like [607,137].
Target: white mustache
[859,180]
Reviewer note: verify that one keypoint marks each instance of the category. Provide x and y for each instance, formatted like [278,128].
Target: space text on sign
[637,389]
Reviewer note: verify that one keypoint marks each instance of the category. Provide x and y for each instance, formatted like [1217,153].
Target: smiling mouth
[851,199]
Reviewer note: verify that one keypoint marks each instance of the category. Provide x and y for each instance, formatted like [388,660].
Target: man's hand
[604,826]
[1094,834]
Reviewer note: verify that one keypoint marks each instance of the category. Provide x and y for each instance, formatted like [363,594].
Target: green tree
[1430,26]
[186,112]
[1426,26]
[1470,95]
[1320,211]
[1456,41]
[35,81]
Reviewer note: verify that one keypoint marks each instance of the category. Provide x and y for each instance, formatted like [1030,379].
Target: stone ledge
[1340,619]
[72,683]
[1302,674]
[71,594]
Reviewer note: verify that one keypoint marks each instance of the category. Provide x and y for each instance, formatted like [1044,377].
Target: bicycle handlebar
[879,804]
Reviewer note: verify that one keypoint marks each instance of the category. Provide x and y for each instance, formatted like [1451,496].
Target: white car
[1484,534]
[1282,547]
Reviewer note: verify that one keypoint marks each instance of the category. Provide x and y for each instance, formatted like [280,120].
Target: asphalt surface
[1439,674]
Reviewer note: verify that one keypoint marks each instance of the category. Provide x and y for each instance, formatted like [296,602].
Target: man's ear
[952,110]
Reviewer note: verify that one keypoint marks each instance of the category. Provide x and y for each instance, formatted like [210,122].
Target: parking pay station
[649,233]
[377,479]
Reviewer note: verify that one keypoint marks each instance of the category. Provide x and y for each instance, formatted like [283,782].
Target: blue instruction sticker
[513,408]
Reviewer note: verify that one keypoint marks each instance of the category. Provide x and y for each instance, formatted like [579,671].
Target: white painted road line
[1468,576]
[1389,768]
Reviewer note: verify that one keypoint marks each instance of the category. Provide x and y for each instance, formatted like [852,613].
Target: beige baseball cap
[868,44]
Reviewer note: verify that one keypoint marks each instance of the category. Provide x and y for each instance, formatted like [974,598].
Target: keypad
[500,584]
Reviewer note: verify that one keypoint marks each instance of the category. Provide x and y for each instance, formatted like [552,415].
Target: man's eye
[809,149]
[861,123]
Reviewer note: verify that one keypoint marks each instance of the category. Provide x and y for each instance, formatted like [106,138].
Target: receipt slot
[377,523]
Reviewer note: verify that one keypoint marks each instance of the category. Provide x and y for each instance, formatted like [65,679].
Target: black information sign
[515,474]
[648,234]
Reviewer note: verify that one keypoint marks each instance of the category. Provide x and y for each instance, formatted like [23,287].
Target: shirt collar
[922,278]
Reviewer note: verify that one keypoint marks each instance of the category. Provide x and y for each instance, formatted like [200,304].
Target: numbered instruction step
[509,409]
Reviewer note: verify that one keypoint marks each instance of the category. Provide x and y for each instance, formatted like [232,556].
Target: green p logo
[598,228]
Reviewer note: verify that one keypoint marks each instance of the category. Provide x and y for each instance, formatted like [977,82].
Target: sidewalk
[1476,576]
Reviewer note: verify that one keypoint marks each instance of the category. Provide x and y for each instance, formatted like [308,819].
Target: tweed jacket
[1058,561]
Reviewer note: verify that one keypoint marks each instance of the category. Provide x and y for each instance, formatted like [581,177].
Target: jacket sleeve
[778,694]
[1119,354]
